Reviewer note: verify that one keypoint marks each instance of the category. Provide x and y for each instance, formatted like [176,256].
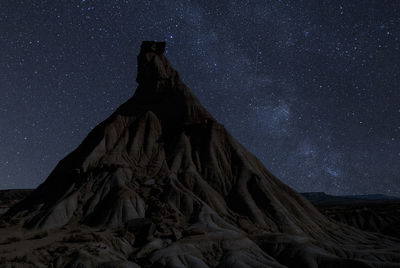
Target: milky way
[310,87]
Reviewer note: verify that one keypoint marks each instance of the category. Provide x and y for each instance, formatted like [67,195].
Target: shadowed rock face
[10,197]
[185,193]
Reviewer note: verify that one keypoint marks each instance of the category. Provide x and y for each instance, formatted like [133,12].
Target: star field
[310,87]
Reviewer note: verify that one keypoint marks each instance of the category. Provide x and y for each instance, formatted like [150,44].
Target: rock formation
[161,183]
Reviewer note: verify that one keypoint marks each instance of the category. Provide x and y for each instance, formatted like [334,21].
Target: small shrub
[20,259]
[40,235]
[12,239]
[121,232]
[3,224]
[78,238]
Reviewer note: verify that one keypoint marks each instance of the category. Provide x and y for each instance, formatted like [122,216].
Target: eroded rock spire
[154,69]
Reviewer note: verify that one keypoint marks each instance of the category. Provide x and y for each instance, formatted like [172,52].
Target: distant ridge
[321,197]
[374,213]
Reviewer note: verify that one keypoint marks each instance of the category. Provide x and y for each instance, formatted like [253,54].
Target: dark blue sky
[311,87]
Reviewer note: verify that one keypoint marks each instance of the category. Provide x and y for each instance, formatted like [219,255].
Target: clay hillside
[161,183]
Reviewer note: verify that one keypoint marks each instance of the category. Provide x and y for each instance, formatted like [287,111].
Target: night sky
[310,87]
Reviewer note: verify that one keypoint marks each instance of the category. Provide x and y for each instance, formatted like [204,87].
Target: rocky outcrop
[8,198]
[165,185]
[382,216]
